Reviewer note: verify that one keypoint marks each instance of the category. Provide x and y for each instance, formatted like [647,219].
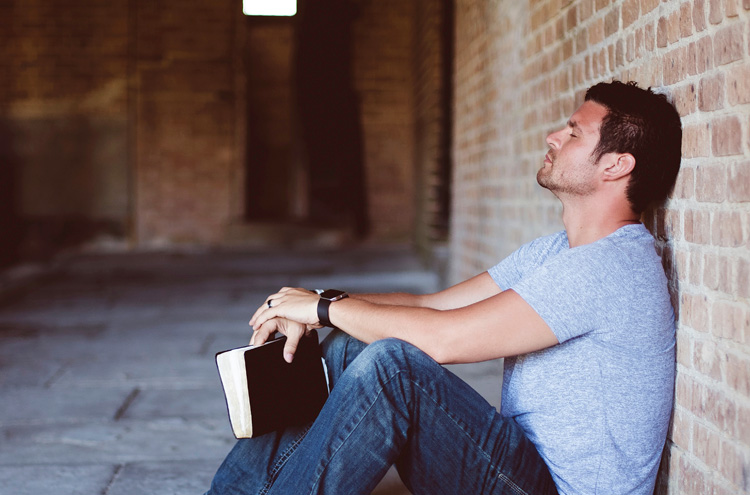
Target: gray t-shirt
[597,405]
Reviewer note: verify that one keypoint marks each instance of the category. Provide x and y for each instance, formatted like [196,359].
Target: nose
[553,139]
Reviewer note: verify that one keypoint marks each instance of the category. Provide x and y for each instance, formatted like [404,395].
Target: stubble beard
[563,183]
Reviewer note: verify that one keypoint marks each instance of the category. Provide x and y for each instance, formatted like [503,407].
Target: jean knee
[386,353]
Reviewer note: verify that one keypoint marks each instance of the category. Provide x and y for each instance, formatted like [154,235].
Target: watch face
[333,294]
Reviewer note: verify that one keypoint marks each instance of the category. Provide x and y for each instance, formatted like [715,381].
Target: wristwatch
[326,298]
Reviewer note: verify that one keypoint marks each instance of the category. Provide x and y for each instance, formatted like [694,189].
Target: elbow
[441,348]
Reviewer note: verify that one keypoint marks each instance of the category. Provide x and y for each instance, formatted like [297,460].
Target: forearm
[458,296]
[368,321]
[500,326]
[393,299]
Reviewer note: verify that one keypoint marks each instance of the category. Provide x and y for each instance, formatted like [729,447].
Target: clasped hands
[291,311]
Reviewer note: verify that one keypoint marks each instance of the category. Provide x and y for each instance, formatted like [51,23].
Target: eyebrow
[575,125]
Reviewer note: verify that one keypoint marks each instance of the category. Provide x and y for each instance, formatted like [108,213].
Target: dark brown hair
[647,126]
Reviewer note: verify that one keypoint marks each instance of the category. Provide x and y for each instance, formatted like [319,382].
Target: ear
[621,165]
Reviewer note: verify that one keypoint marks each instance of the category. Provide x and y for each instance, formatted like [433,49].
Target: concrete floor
[107,377]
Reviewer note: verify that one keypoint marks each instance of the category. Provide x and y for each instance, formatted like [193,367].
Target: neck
[587,223]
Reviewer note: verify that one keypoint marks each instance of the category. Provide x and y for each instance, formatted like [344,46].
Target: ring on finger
[269,302]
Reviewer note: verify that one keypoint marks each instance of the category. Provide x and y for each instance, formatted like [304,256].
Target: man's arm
[467,292]
[498,326]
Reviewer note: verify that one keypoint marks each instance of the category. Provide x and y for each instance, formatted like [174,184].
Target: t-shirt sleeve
[526,259]
[571,292]
[507,272]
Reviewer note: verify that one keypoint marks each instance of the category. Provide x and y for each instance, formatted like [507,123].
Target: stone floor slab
[163,478]
[57,479]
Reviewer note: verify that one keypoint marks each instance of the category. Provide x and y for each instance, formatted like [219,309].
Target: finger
[265,304]
[290,347]
[261,335]
[257,312]
[275,299]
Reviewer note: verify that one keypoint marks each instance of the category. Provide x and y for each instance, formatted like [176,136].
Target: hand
[299,305]
[294,332]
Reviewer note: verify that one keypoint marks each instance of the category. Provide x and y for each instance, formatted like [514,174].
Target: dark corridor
[304,159]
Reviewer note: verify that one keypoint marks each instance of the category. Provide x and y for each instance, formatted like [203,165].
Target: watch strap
[323,306]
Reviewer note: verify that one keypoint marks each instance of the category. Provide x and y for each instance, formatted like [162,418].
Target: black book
[265,393]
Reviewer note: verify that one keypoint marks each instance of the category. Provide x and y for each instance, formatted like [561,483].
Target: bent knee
[388,352]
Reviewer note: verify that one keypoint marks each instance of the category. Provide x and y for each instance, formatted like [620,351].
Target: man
[583,318]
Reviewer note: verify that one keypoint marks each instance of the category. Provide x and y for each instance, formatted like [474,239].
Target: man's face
[569,166]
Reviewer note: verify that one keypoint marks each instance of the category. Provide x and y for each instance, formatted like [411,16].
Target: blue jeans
[390,404]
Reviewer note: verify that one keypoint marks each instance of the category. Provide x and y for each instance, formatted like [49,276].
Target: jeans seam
[505,479]
[502,476]
[281,461]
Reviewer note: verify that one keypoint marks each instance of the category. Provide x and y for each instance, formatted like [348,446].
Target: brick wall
[184,119]
[63,116]
[384,77]
[521,70]
[431,64]
[134,112]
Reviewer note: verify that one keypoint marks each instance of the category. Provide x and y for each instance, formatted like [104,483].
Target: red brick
[738,85]
[743,282]
[649,37]
[720,411]
[675,65]
[729,229]
[732,9]
[743,425]
[596,31]
[661,32]
[703,54]
[630,12]
[648,5]
[673,27]
[582,40]
[681,429]
[694,311]
[630,48]
[572,17]
[734,463]
[726,136]
[729,320]
[620,53]
[715,14]
[696,268]
[684,101]
[683,392]
[706,445]
[711,183]
[737,376]
[699,15]
[686,20]
[612,22]
[739,183]
[717,273]
[711,93]
[728,44]
[585,9]
[685,185]
[697,226]
[706,360]
[691,479]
